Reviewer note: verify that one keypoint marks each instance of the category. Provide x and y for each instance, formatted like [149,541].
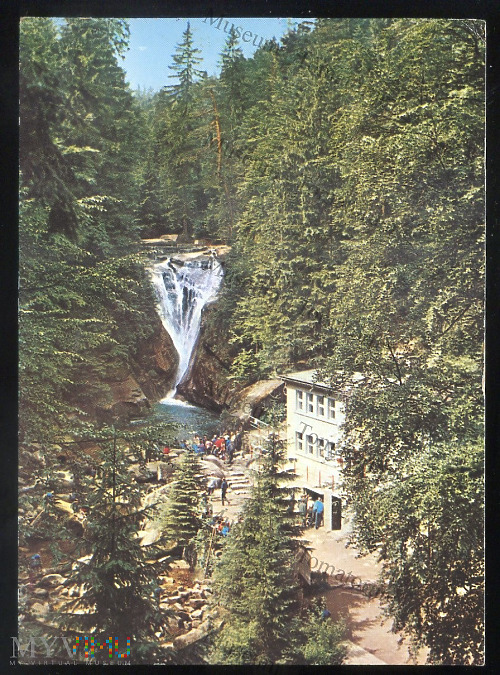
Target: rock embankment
[128,390]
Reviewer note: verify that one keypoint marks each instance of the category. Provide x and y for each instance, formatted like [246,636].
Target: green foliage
[322,647]
[427,524]
[77,312]
[254,579]
[316,640]
[117,574]
[180,518]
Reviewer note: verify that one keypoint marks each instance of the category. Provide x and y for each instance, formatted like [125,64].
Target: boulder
[165,580]
[53,580]
[149,536]
[252,400]
[183,641]
[196,603]
[172,623]
[40,609]
[167,645]
[184,616]
[214,460]
[197,614]
[41,593]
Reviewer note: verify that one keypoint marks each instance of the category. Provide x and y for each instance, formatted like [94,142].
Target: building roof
[307,379]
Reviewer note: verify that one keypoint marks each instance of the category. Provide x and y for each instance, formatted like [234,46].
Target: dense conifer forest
[344,166]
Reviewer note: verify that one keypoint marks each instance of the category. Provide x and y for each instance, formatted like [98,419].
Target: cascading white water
[183,289]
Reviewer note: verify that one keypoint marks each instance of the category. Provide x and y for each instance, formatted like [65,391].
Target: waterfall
[183,288]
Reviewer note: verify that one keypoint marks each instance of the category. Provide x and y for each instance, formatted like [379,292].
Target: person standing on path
[223,489]
[303,511]
[229,451]
[318,509]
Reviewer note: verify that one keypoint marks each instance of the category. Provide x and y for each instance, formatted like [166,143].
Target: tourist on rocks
[208,447]
[237,441]
[48,500]
[36,566]
[212,486]
[157,594]
[223,489]
[229,451]
[318,509]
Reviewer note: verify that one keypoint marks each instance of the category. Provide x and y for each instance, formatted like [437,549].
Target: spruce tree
[180,519]
[185,71]
[255,579]
[117,581]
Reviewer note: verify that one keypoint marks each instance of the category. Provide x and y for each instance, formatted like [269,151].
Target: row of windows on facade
[312,445]
[319,407]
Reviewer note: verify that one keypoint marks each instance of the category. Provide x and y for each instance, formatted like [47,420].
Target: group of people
[311,514]
[220,445]
[222,525]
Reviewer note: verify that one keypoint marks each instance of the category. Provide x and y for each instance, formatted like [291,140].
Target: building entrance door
[336,513]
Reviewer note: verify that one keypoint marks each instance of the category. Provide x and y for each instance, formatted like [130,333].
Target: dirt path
[366,626]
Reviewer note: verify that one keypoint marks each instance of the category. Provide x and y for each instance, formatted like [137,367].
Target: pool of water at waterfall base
[192,419]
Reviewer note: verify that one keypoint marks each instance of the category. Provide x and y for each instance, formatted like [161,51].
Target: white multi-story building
[314,417]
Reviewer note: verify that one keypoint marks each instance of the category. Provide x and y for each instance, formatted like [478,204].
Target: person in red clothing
[220,444]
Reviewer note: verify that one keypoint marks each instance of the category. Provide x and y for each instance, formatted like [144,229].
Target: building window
[299,441]
[310,445]
[321,447]
[330,450]
[321,406]
[300,400]
[331,408]
[310,403]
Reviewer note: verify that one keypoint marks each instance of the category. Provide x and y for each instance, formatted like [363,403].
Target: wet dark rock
[41,593]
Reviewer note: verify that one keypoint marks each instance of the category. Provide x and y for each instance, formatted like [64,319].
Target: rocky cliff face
[156,364]
[207,382]
[128,391]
